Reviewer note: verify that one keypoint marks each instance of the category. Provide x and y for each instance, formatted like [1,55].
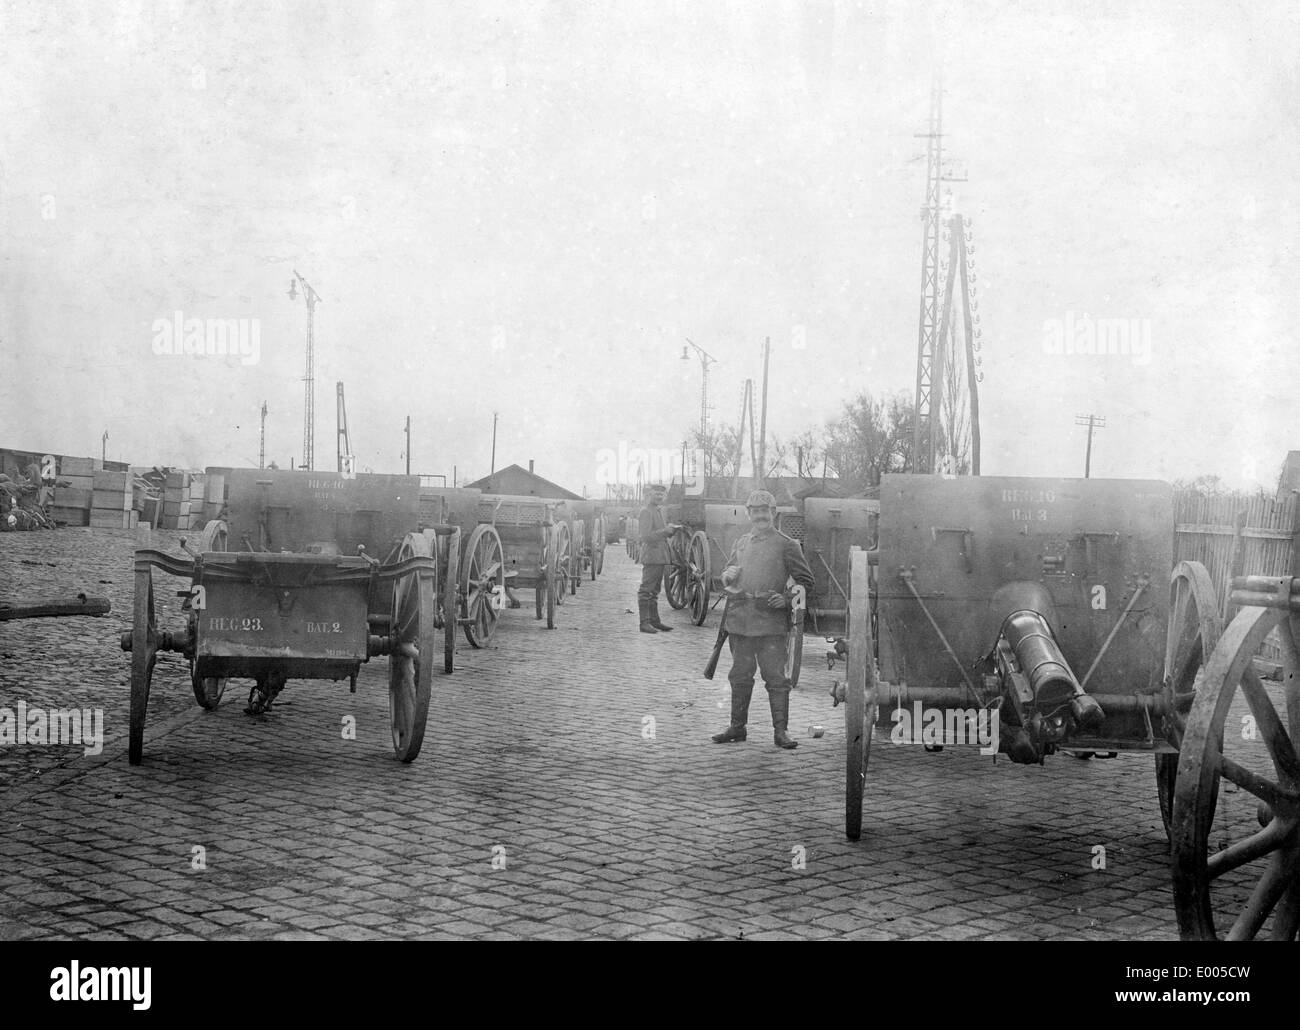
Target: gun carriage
[570,515]
[1030,616]
[309,576]
[511,543]
[591,554]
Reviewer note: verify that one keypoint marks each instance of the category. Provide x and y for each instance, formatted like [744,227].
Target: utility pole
[309,379]
[261,446]
[762,421]
[706,359]
[343,442]
[408,445]
[746,406]
[1092,422]
[492,470]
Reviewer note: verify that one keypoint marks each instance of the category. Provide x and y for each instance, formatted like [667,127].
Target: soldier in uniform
[757,617]
[653,529]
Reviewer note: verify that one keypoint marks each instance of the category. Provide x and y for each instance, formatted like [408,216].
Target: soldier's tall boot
[739,716]
[779,700]
[647,625]
[654,618]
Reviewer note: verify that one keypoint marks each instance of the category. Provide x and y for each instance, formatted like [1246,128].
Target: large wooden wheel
[551,583]
[578,548]
[1211,855]
[216,536]
[209,689]
[563,560]
[144,648]
[598,548]
[410,662]
[448,545]
[699,577]
[677,571]
[859,693]
[483,584]
[542,588]
[1194,629]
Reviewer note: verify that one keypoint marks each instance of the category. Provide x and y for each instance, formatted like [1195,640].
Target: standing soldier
[653,529]
[757,617]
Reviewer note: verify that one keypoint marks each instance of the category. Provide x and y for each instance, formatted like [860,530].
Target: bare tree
[870,438]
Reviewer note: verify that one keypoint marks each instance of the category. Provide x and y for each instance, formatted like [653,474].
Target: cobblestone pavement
[538,808]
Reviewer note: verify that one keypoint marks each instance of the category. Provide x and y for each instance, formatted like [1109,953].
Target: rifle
[712,667]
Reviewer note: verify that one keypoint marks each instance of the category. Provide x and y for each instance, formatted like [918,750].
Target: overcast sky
[524,208]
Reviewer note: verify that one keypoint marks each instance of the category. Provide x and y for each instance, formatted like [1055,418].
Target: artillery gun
[1031,616]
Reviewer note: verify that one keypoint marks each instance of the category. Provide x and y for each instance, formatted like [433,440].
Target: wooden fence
[1237,535]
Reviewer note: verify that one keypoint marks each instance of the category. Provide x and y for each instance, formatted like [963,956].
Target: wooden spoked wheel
[208,689]
[794,648]
[549,584]
[144,648]
[448,545]
[699,577]
[563,560]
[216,536]
[1194,629]
[577,553]
[677,570]
[483,584]
[410,662]
[598,548]
[859,694]
[1252,745]
[542,589]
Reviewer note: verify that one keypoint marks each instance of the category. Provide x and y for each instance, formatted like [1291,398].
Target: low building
[519,482]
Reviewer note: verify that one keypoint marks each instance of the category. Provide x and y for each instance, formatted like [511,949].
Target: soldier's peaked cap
[760,499]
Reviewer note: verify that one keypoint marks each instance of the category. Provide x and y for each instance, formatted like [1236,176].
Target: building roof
[519,481]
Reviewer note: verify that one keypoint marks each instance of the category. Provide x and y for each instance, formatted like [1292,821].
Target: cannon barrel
[1050,678]
[1049,675]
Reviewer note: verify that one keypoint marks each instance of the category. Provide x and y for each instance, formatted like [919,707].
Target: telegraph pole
[261,448]
[492,470]
[1092,422]
[408,445]
[309,399]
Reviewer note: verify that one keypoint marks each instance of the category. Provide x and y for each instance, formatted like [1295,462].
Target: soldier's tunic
[766,562]
[756,631]
[652,529]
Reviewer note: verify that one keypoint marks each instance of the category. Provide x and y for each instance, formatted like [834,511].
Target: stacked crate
[112,501]
[197,486]
[214,496]
[176,501]
[72,502]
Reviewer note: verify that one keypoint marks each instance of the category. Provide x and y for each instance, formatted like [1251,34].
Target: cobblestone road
[536,757]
